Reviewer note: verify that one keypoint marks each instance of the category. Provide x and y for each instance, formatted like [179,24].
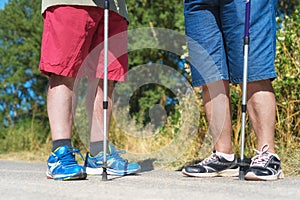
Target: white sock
[229,157]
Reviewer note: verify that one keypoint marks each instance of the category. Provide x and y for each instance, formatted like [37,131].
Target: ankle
[59,143]
[97,147]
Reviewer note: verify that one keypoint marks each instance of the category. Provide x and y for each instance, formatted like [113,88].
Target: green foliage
[166,14]
[287,7]
[287,85]
[153,14]
[27,135]
[288,58]
[22,85]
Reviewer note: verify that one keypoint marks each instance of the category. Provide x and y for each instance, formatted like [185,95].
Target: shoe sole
[250,176]
[63,177]
[224,173]
[99,171]
[94,171]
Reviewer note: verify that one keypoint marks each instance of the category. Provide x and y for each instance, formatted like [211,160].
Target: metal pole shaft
[244,100]
[105,88]
[244,87]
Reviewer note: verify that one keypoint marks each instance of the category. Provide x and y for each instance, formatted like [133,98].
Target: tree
[22,85]
[287,7]
[154,14]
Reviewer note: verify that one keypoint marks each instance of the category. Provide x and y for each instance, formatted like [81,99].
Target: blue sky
[2,2]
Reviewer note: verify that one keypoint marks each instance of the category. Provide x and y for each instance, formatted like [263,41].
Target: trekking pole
[243,164]
[105,87]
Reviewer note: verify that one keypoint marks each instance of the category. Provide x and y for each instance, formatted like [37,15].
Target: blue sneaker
[116,165]
[62,165]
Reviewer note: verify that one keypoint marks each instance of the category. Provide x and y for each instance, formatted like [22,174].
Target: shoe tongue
[62,150]
[111,149]
[266,153]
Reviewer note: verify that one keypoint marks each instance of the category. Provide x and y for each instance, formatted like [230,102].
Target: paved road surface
[22,180]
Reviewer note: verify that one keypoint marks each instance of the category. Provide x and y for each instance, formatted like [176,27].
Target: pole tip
[244,166]
[242,175]
[104,174]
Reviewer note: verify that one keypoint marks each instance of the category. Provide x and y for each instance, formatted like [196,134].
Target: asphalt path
[25,180]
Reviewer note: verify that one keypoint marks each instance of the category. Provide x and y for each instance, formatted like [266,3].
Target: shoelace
[213,156]
[69,157]
[116,155]
[262,157]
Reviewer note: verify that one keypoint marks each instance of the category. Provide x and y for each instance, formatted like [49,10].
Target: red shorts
[72,42]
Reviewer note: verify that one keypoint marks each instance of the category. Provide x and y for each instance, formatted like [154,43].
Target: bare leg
[261,106]
[218,113]
[59,106]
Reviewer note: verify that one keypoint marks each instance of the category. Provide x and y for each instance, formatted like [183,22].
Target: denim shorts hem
[199,82]
[255,78]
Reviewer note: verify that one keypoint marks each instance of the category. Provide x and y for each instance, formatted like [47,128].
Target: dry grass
[200,143]
[184,142]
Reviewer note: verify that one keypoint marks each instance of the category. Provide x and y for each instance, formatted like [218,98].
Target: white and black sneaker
[213,166]
[265,166]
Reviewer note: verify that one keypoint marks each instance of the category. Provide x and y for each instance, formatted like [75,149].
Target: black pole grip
[106,4]
[105,105]
[246,40]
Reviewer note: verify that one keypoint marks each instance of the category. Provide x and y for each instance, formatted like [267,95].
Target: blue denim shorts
[215,36]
